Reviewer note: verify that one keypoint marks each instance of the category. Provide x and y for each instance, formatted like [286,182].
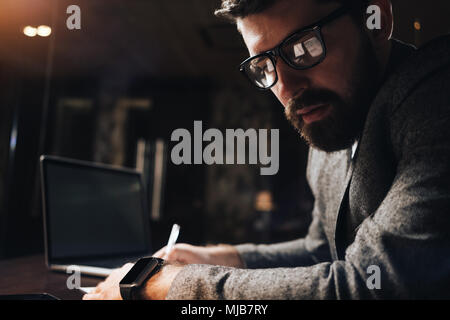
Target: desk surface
[30,275]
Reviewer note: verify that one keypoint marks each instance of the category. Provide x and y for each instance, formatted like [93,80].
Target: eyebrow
[305,28]
[325,20]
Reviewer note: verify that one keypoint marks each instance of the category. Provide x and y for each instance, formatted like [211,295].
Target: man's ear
[382,32]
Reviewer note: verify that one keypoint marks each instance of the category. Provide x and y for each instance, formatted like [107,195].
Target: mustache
[311,97]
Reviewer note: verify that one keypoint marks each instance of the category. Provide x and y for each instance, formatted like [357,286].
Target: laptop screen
[93,211]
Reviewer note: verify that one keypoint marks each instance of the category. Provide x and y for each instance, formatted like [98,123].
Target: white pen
[173,237]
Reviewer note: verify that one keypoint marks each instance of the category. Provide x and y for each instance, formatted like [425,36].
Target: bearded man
[376,114]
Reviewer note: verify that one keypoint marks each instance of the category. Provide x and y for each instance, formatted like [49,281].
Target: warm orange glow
[417,25]
[29,31]
[44,31]
[263,201]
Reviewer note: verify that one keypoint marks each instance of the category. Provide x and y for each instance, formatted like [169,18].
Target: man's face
[328,103]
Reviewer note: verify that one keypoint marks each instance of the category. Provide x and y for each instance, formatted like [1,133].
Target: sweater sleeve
[300,252]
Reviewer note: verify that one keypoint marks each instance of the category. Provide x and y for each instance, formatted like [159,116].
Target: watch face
[139,272]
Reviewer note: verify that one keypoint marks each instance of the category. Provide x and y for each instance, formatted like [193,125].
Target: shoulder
[417,71]
[417,95]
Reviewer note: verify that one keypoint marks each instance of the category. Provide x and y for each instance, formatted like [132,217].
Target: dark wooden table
[30,275]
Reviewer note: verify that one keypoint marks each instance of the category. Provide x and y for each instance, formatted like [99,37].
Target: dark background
[138,69]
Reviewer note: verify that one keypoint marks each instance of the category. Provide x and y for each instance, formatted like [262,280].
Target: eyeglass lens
[300,51]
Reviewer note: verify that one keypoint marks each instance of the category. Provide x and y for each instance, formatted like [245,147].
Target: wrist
[143,269]
[157,287]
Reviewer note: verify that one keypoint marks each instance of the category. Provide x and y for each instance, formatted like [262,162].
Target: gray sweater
[388,207]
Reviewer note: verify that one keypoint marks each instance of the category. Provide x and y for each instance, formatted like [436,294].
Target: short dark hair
[235,9]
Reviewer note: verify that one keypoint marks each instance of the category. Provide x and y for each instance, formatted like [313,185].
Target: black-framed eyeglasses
[303,49]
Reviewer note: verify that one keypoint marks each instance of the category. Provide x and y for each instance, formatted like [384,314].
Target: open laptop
[95,216]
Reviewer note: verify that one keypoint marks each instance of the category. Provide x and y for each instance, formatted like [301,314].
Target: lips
[309,109]
[313,113]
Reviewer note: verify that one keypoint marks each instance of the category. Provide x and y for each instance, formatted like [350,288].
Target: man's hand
[224,255]
[156,288]
[109,289]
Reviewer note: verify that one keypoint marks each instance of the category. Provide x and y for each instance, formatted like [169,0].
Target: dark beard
[345,120]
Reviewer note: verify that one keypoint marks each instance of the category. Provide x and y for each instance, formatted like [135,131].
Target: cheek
[336,72]
[276,91]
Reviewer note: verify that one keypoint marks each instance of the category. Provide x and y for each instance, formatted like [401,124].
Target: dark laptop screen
[93,211]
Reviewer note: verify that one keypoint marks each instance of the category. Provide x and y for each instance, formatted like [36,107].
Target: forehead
[263,31]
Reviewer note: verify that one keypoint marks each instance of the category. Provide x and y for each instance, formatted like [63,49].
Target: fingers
[160,253]
[170,256]
[184,253]
[99,287]
[119,273]
[181,253]
[92,296]
[109,288]
[175,254]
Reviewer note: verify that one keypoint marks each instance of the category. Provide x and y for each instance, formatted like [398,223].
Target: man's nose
[291,82]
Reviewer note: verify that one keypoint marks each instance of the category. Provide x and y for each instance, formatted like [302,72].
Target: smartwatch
[134,280]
